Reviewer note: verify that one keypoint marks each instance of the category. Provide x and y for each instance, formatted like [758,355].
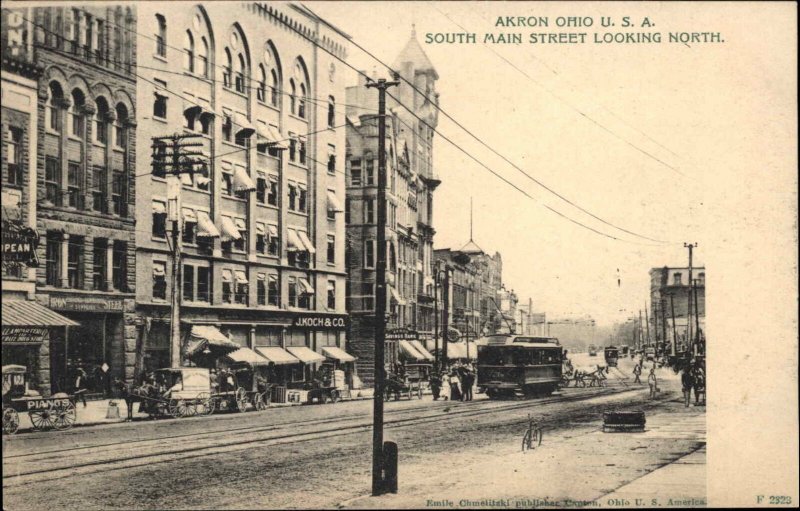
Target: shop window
[203,284]
[370,172]
[159,219]
[75,262]
[273,291]
[293,291]
[272,191]
[331,252]
[99,259]
[74,185]
[99,189]
[188,282]
[53,259]
[369,254]
[161,36]
[119,263]
[261,289]
[331,294]
[355,172]
[159,280]
[14,158]
[241,296]
[369,211]
[274,241]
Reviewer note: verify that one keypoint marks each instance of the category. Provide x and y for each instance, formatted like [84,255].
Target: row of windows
[197,287]
[73,196]
[236,72]
[103,120]
[74,250]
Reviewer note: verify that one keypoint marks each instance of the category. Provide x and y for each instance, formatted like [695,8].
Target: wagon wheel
[178,408]
[64,416]
[335,396]
[10,421]
[203,404]
[260,404]
[408,393]
[41,419]
[419,392]
[241,399]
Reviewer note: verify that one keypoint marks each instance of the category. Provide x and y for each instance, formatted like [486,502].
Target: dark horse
[133,394]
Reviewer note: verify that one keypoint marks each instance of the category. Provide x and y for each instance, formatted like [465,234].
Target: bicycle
[533,436]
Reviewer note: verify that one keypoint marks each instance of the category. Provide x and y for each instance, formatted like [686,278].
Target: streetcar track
[182,453]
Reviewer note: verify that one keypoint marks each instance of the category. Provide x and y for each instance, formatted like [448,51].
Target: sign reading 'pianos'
[321,321]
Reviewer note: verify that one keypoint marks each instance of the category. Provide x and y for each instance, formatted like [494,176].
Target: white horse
[596,374]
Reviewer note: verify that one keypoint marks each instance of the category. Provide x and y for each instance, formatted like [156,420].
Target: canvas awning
[241,277]
[189,216]
[205,227]
[306,242]
[25,313]
[306,286]
[410,351]
[334,205]
[459,350]
[294,241]
[229,229]
[248,356]
[159,208]
[423,351]
[276,355]
[244,129]
[396,295]
[277,138]
[306,355]
[241,181]
[338,354]
[273,230]
[271,136]
[208,335]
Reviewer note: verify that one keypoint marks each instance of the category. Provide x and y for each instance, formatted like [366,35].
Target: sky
[645,136]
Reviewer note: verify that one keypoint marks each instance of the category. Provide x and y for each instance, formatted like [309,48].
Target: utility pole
[178,161]
[647,324]
[436,319]
[641,341]
[378,486]
[690,246]
[674,328]
[663,307]
[696,318]
[445,315]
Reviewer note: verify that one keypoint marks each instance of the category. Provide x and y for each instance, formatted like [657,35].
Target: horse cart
[175,392]
[397,386]
[56,411]
[241,385]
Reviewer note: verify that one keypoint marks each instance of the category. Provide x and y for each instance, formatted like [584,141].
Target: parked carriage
[246,387]
[176,392]
[56,412]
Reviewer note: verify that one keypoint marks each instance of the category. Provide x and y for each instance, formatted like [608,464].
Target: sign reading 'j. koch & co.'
[321,322]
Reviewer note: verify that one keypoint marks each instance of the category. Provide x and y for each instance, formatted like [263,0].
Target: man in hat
[653,382]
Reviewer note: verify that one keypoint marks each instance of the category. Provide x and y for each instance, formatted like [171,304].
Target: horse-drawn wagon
[56,411]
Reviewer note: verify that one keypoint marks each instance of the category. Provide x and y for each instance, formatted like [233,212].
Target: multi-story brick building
[85,158]
[671,290]
[261,224]
[411,182]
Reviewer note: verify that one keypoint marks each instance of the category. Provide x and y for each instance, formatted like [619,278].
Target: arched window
[52,110]
[274,88]
[301,106]
[240,74]
[292,97]
[331,111]
[227,71]
[161,36]
[76,114]
[261,93]
[203,57]
[101,121]
[120,127]
[188,48]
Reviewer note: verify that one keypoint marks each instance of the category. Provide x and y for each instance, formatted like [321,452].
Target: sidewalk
[576,466]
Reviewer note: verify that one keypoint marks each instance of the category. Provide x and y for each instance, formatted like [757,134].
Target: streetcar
[519,366]
[612,356]
[592,350]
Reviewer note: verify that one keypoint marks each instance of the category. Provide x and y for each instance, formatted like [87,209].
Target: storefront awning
[206,228]
[24,313]
[409,351]
[241,181]
[306,355]
[229,229]
[248,356]
[424,352]
[207,335]
[338,354]
[276,355]
[458,350]
[306,242]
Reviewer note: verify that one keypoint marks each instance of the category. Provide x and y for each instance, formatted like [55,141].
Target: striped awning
[24,313]
[409,351]
[241,181]
[248,356]
[424,352]
[207,229]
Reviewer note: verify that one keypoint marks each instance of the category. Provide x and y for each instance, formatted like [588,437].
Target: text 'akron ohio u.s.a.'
[568,30]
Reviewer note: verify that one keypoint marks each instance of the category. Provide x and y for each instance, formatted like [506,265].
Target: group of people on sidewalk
[460,380]
[693,377]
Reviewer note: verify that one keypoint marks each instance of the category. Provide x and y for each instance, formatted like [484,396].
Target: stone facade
[410,185]
[670,289]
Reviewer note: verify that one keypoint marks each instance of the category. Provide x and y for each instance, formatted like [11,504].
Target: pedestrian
[699,385]
[436,385]
[637,371]
[467,382]
[80,385]
[687,383]
[653,382]
[455,392]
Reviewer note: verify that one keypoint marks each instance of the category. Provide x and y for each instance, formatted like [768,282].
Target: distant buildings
[672,296]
